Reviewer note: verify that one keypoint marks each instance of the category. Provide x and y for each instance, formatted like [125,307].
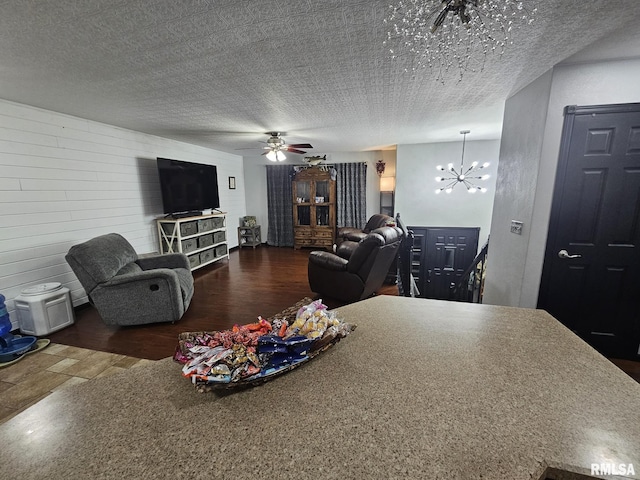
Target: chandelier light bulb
[439,179]
[472,190]
[485,165]
[485,177]
[450,166]
[449,190]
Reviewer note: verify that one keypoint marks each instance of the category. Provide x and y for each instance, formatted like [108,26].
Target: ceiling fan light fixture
[271,155]
[276,147]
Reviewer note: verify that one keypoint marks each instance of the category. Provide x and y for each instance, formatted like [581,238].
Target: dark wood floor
[261,281]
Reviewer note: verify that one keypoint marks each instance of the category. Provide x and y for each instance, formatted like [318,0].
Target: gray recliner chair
[127,289]
[357,274]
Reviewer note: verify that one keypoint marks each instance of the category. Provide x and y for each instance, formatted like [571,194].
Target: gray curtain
[351,193]
[279,205]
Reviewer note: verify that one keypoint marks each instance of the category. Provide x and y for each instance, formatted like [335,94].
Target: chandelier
[454,34]
[466,177]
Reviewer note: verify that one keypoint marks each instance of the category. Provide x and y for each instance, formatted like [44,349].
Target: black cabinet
[440,257]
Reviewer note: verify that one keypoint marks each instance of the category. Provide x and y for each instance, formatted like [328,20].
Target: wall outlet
[516,227]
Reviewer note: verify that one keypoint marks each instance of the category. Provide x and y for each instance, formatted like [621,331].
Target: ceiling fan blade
[300,145]
[293,150]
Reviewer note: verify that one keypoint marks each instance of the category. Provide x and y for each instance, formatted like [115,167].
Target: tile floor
[56,366]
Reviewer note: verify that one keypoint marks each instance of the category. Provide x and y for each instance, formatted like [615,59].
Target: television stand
[202,238]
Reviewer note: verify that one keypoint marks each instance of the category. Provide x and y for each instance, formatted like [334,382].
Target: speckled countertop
[421,389]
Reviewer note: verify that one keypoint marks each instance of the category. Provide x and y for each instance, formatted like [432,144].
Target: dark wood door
[445,253]
[591,273]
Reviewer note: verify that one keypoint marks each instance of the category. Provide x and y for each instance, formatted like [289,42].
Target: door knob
[565,254]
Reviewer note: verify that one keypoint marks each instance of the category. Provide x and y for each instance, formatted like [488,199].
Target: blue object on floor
[5,321]
[11,347]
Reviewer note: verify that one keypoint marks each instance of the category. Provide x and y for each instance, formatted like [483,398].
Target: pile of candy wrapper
[250,352]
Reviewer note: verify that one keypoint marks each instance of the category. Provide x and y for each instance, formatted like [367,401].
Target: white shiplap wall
[64,180]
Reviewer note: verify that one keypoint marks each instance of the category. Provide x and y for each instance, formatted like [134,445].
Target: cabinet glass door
[302,192]
[322,215]
[322,192]
[304,214]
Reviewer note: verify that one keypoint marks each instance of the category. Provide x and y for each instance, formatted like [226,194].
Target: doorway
[590,279]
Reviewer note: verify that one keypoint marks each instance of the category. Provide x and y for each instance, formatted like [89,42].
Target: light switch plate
[516,227]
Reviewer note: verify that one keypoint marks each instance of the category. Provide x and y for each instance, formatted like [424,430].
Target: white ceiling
[220,73]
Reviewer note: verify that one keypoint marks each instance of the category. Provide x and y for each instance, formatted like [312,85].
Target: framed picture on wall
[232,183]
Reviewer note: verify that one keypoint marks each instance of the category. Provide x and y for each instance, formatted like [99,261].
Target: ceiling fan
[276,146]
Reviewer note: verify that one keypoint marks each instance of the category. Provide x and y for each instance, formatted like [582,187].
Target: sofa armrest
[355,236]
[168,260]
[343,231]
[350,233]
[328,260]
[346,248]
[144,277]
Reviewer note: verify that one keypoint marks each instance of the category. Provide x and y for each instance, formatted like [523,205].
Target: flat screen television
[187,187]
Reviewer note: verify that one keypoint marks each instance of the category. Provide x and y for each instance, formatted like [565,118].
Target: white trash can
[44,308]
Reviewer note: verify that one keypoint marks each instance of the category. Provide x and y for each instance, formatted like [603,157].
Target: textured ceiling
[220,73]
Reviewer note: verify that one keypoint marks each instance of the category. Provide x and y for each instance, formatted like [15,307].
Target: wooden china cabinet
[314,208]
